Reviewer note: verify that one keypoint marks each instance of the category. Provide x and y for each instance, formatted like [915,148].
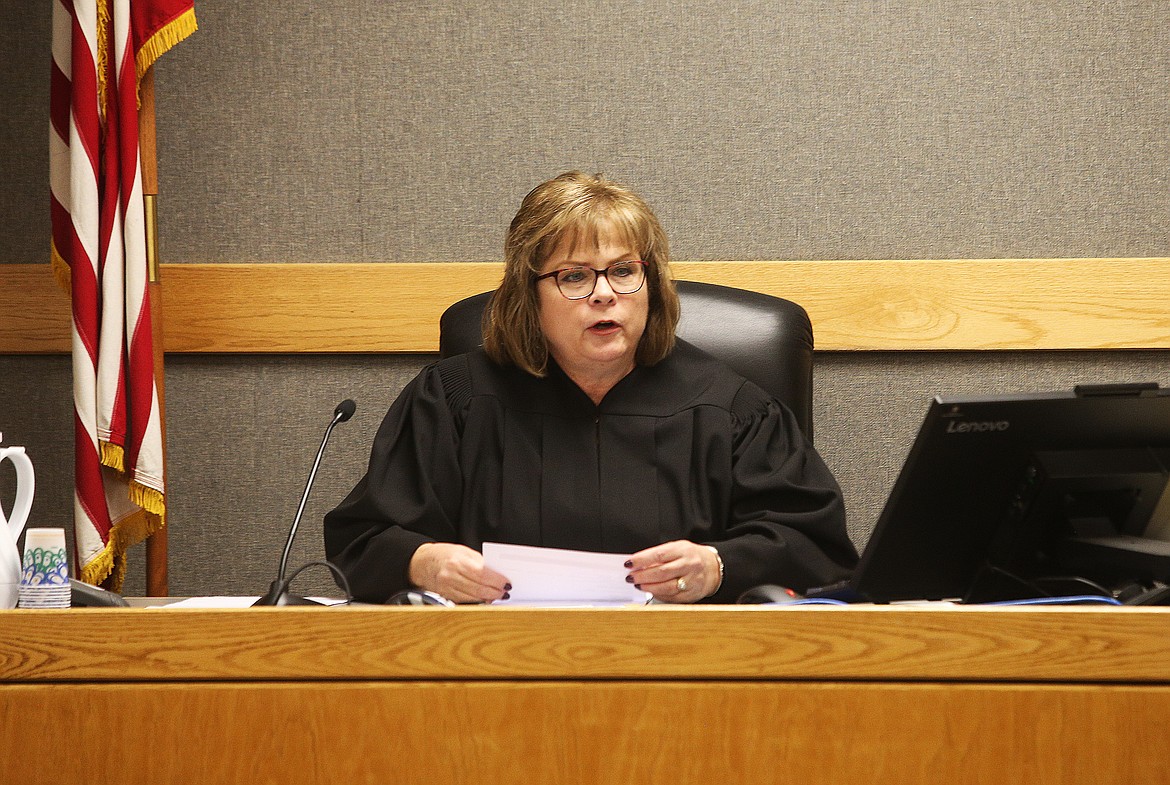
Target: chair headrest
[766,339]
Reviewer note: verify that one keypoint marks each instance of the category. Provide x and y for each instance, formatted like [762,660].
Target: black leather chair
[766,339]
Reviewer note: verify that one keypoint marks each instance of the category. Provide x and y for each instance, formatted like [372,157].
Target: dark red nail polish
[628,564]
[506,596]
[638,586]
[629,579]
[507,587]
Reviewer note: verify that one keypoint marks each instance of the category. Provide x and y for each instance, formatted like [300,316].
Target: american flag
[101,49]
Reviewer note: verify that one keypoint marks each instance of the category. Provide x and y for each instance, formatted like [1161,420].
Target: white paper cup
[44,582]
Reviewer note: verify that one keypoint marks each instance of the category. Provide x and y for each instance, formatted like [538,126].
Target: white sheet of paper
[544,576]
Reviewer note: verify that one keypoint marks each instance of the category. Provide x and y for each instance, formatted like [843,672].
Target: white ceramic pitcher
[11,527]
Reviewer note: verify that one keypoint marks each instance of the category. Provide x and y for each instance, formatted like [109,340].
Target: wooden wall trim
[980,304]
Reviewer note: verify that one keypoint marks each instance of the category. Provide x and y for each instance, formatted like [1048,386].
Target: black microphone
[278,592]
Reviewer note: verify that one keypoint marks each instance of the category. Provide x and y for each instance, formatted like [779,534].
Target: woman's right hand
[457,573]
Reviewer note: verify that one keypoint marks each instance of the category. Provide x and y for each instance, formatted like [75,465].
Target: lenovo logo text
[983,426]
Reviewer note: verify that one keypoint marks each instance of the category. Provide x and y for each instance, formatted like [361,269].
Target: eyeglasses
[575,283]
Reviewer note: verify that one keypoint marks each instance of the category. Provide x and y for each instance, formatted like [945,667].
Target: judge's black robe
[685,449]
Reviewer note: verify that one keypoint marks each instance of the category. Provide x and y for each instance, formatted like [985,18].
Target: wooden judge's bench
[856,695]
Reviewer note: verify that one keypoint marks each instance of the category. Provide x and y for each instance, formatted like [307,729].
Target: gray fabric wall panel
[24,132]
[243,431]
[364,131]
[243,434]
[760,130]
[36,412]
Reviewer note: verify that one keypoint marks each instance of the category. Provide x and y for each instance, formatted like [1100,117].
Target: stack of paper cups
[44,583]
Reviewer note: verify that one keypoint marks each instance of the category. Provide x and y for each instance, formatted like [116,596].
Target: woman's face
[595,337]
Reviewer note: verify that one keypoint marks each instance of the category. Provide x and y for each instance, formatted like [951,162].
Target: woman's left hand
[678,571]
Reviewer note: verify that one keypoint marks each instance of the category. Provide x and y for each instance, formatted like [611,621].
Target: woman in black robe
[584,423]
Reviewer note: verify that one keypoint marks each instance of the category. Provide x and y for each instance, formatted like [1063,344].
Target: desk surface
[650,695]
[1072,644]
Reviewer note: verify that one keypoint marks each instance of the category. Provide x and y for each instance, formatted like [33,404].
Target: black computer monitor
[1006,497]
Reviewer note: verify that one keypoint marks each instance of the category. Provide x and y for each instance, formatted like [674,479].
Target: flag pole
[156,544]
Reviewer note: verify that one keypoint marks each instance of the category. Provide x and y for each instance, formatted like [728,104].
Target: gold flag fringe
[111,561]
[158,44]
[114,456]
[150,499]
[105,16]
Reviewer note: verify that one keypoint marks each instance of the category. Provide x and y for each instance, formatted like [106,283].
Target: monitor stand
[1122,556]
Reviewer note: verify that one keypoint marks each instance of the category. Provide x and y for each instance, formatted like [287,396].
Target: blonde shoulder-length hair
[586,209]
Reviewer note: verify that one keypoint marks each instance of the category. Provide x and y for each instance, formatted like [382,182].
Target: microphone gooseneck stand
[278,593]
